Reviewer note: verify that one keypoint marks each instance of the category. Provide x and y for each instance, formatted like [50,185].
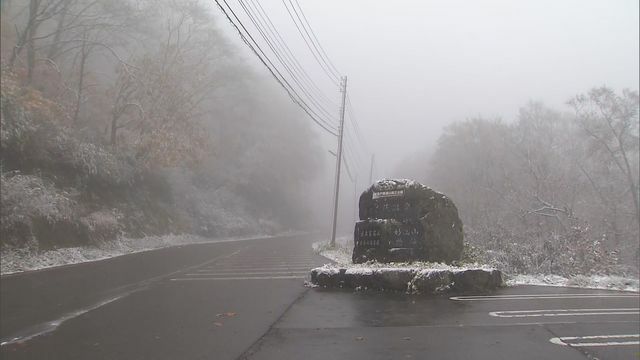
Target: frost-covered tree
[549,192]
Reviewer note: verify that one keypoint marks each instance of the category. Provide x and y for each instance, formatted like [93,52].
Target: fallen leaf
[227,314]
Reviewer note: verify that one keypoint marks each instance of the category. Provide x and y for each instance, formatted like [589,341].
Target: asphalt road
[246,300]
[525,322]
[206,301]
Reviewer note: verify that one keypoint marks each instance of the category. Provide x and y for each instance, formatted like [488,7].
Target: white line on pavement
[567,340]
[257,264]
[281,258]
[240,278]
[540,296]
[302,268]
[249,273]
[565,312]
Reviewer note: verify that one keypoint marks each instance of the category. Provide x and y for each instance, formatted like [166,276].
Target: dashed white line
[565,312]
[568,340]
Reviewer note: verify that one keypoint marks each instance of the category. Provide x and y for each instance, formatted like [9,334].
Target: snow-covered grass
[341,255]
[14,260]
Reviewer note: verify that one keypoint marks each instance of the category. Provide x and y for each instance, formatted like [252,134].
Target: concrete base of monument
[409,279]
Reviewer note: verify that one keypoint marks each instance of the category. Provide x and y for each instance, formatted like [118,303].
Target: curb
[410,280]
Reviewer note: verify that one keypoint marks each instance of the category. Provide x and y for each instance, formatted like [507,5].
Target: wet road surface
[210,301]
[246,299]
[525,322]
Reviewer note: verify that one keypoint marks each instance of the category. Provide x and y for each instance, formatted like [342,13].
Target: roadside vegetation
[137,118]
[553,192]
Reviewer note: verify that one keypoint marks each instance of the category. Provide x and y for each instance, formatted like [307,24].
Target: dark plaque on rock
[403,220]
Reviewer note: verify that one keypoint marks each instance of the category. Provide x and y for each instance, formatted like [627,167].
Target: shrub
[577,250]
[97,164]
[25,113]
[101,226]
[27,199]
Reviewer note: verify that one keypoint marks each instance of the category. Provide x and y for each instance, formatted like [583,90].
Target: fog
[503,72]
[415,66]
[170,171]
[159,119]
[148,121]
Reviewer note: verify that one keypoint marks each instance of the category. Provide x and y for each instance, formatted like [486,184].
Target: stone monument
[403,220]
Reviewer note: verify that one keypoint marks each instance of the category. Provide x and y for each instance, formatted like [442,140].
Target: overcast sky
[415,66]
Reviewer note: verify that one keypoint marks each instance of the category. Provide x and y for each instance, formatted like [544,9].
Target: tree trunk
[83,60]
[31,30]
[55,44]
[114,129]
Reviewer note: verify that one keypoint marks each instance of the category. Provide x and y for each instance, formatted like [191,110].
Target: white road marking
[263,263]
[301,268]
[261,266]
[50,326]
[566,340]
[257,257]
[249,273]
[540,296]
[564,312]
[47,327]
[240,278]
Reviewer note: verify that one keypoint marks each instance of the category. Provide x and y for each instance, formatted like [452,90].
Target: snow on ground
[609,282]
[371,267]
[341,255]
[25,259]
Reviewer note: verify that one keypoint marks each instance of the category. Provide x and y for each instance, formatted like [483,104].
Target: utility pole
[343,89]
[373,156]
[355,199]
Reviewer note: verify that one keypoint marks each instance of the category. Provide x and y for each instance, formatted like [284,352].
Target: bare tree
[610,122]
[39,11]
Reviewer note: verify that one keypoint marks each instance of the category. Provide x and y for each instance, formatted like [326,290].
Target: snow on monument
[403,220]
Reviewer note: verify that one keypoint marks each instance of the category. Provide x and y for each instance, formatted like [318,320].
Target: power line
[358,147]
[278,55]
[310,39]
[354,120]
[328,123]
[278,42]
[326,57]
[297,100]
[354,150]
[346,167]
[356,126]
[288,53]
[329,74]
[362,154]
